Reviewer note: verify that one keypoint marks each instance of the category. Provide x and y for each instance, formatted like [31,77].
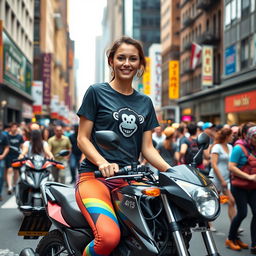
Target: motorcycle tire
[52,244]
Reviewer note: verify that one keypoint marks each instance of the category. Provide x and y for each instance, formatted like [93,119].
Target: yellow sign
[207,66]
[146,77]
[174,79]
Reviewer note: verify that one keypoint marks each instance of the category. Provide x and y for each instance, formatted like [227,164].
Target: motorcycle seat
[65,197]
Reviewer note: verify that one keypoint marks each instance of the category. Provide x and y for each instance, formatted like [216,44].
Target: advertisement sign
[146,77]
[1,51]
[230,60]
[37,95]
[14,64]
[55,107]
[46,76]
[207,66]
[240,102]
[27,111]
[155,74]
[174,79]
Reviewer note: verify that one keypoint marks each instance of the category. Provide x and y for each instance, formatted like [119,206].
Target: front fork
[178,238]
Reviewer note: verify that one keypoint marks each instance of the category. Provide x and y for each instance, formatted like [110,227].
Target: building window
[245,53]
[245,8]
[228,14]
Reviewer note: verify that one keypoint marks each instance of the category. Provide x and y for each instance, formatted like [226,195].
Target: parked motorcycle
[156,217]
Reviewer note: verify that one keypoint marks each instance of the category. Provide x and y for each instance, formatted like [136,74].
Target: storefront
[240,108]
[15,87]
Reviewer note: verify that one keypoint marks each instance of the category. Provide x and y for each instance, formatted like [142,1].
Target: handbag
[249,168]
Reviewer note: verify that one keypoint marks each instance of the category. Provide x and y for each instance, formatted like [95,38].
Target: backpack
[249,168]
[191,152]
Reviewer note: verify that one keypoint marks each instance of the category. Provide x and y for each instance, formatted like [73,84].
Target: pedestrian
[235,131]
[220,155]
[118,107]
[168,148]
[75,156]
[4,149]
[36,146]
[57,143]
[16,141]
[189,148]
[158,136]
[243,168]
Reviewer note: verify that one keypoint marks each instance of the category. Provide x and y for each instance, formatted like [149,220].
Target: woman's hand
[21,156]
[108,169]
[224,185]
[252,177]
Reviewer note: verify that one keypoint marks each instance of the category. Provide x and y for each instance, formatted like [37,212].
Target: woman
[118,107]
[243,157]
[220,154]
[167,149]
[36,146]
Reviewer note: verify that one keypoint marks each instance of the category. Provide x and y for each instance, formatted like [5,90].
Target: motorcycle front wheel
[52,245]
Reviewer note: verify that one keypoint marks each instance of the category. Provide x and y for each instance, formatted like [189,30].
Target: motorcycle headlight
[206,201]
[206,198]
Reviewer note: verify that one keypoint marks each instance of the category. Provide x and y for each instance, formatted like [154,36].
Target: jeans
[242,198]
[74,165]
[2,167]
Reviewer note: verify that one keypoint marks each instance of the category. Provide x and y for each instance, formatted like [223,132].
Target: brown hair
[36,142]
[126,40]
[222,134]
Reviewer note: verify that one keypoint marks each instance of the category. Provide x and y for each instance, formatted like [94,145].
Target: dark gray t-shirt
[127,115]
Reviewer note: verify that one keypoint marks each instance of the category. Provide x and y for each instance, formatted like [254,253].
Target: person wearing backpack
[189,148]
[243,187]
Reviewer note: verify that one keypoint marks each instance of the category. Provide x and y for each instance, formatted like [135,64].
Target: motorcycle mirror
[63,152]
[107,139]
[203,140]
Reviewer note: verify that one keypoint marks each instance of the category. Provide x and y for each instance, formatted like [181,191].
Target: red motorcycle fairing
[54,211]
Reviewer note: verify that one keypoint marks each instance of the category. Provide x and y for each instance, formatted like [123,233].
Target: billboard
[230,60]
[146,78]
[156,74]
[37,95]
[174,79]
[207,65]
[46,77]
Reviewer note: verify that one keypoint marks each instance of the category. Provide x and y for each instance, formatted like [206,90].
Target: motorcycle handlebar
[127,170]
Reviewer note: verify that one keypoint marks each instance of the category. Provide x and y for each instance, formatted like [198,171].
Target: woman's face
[126,62]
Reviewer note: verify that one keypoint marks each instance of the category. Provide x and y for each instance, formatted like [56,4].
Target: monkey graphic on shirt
[128,121]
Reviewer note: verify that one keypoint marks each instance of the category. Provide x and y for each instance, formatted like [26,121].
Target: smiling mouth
[127,131]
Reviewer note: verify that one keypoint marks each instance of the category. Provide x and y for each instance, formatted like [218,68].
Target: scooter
[156,217]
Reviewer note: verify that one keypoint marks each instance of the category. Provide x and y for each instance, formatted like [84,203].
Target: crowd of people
[230,160]
[25,140]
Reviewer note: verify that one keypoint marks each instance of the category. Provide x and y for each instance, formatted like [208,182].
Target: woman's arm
[24,151]
[88,149]
[151,154]
[233,168]
[47,151]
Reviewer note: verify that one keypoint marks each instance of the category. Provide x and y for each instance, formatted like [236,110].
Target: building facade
[16,60]
[53,61]
[170,51]
[201,55]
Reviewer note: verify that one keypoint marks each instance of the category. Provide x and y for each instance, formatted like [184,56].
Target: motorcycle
[34,171]
[156,216]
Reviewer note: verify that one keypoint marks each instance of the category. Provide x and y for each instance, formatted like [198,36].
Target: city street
[11,244]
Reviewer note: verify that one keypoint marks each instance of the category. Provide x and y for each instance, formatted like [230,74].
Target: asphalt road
[11,244]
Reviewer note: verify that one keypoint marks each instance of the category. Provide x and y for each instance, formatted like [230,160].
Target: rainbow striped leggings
[94,201]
